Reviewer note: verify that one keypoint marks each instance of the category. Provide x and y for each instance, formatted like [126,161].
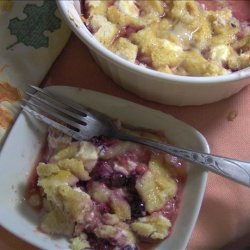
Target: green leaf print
[30,31]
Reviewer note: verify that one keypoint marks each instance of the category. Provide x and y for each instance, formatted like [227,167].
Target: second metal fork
[83,123]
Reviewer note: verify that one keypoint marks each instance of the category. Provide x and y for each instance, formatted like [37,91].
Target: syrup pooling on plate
[194,38]
[107,194]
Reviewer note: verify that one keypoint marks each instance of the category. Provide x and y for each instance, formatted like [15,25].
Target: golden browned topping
[175,37]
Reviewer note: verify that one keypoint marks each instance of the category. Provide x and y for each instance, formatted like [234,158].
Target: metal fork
[83,123]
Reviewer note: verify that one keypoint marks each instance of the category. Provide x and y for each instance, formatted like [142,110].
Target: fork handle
[233,169]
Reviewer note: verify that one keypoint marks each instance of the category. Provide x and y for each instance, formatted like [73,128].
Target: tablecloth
[225,213]
[32,34]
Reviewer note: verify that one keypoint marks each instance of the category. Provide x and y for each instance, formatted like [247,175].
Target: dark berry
[118,180]
[98,243]
[137,209]
[102,171]
[131,183]
[81,185]
[102,245]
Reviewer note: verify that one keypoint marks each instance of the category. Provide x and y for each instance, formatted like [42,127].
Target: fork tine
[72,105]
[56,115]
[74,116]
[53,123]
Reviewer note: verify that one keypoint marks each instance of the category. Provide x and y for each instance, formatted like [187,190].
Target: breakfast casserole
[106,193]
[172,36]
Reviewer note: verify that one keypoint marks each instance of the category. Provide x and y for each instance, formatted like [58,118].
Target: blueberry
[131,183]
[98,243]
[81,184]
[118,180]
[137,209]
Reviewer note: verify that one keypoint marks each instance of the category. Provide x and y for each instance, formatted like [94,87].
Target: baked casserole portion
[172,36]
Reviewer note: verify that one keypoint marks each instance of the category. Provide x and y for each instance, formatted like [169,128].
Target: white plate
[24,143]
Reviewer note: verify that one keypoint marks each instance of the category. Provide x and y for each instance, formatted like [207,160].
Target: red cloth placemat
[225,212]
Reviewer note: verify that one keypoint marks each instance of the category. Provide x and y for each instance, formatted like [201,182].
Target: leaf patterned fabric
[32,34]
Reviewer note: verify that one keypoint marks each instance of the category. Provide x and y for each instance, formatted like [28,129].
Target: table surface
[224,215]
